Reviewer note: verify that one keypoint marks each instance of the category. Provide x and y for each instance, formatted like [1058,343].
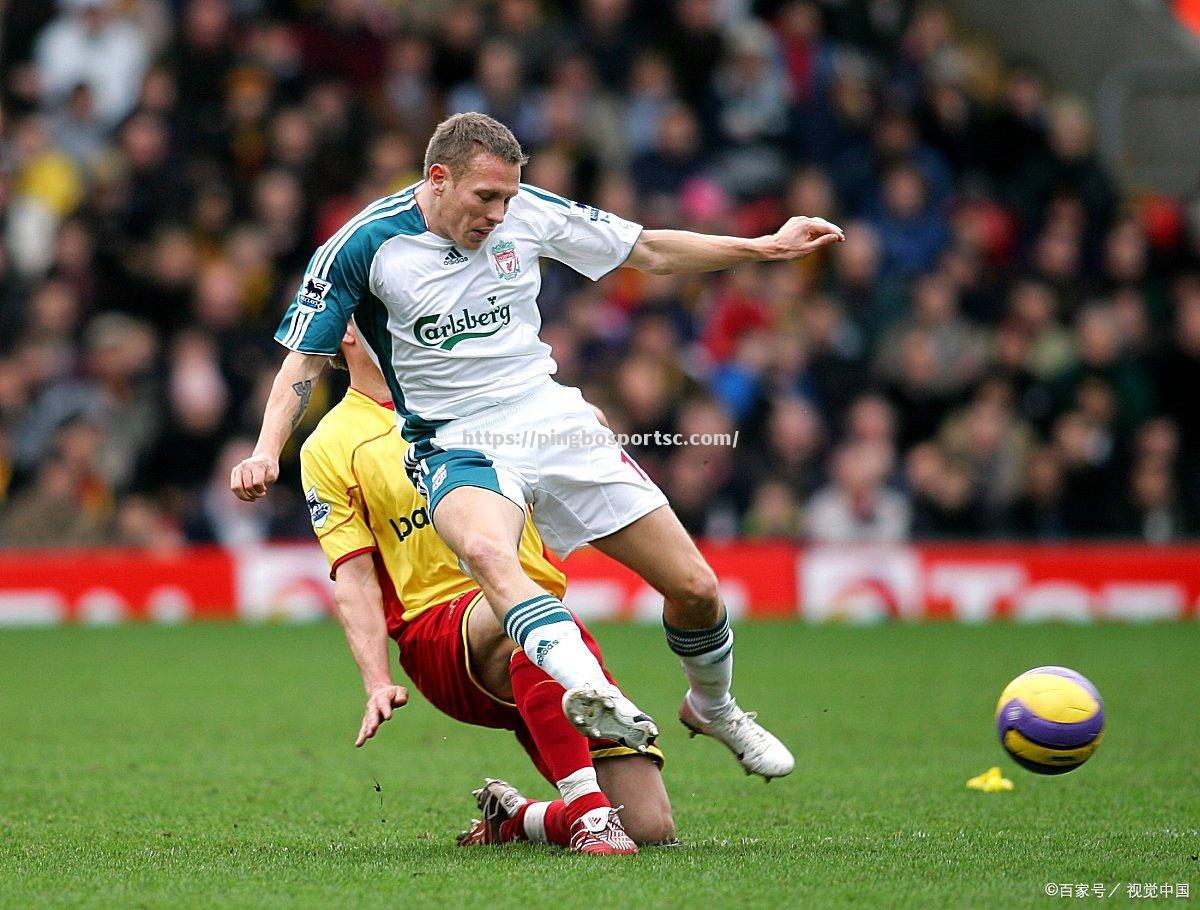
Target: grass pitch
[212,765]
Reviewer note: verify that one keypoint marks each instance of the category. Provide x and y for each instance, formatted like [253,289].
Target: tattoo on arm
[304,391]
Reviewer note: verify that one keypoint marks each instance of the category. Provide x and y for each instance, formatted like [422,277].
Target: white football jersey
[453,330]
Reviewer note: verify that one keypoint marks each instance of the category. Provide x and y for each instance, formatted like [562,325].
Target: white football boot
[759,751]
[601,711]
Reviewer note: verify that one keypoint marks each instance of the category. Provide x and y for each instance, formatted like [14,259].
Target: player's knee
[486,558]
[649,828]
[697,592]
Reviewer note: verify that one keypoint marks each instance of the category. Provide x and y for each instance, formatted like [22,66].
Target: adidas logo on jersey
[453,257]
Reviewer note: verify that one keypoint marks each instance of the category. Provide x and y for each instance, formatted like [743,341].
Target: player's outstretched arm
[290,394]
[675,252]
[359,603]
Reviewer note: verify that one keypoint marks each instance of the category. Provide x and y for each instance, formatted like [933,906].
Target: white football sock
[534,822]
[580,783]
[707,659]
[547,633]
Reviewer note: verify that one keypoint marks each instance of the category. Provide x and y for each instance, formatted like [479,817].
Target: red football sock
[563,749]
[539,700]
[553,826]
[558,825]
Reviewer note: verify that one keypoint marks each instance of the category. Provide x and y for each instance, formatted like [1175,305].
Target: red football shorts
[433,652]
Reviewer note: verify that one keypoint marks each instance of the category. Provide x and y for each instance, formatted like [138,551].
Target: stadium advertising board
[980,583]
[1076,583]
[43,587]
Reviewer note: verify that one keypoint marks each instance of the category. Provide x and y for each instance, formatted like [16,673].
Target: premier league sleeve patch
[319,511]
[589,213]
[312,293]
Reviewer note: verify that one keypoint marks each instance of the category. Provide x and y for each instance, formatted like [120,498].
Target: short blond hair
[458,139]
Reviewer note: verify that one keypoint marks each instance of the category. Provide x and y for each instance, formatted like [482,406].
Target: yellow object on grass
[990,781]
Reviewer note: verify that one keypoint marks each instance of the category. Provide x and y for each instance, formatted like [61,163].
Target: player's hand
[801,236]
[250,478]
[380,704]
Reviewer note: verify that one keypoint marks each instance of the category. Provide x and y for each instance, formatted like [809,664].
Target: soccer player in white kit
[442,280]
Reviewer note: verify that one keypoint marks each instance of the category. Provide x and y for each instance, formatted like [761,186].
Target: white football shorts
[546,449]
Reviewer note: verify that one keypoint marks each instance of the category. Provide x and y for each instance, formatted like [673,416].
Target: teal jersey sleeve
[336,280]
[338,277]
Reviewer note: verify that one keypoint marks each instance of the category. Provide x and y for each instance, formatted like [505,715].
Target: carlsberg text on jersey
[446,332]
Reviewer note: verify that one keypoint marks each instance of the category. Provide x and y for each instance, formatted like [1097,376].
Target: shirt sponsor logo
[405,525]
[504,255]
[319,511]
[312,293]
[450,329]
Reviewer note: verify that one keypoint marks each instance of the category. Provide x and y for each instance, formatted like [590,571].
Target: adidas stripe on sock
[547,633]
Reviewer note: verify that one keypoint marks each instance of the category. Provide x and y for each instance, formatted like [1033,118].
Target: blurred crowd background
[1007,345]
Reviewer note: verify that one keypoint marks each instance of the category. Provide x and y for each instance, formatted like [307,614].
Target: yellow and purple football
[1050,720]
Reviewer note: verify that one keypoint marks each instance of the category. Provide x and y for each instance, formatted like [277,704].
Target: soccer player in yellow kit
[394,577]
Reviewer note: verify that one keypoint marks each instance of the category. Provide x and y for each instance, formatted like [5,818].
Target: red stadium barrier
[971,583]
[40,587]
[1000,581]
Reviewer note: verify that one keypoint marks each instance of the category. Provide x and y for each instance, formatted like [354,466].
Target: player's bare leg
[635,783]
[658,549]
[483,529]
[489,649]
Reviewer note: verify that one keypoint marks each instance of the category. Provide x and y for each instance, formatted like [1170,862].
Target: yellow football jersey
[361,501]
